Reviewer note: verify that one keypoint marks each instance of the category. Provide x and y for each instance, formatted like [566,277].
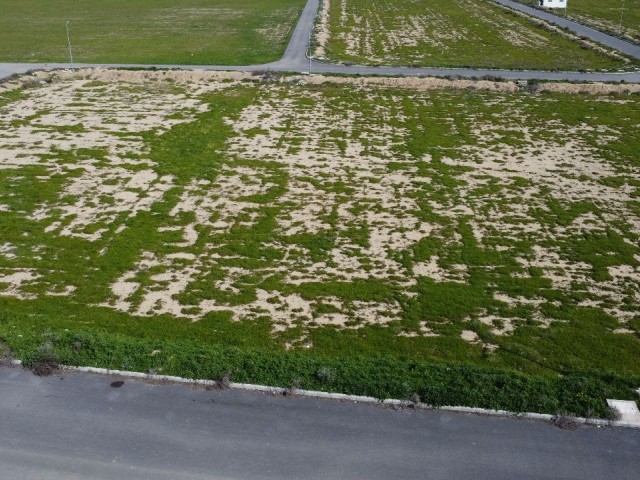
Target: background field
[453,33]
[605,15]
[371,230]
[190,32]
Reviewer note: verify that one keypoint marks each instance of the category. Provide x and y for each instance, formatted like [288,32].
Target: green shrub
[435,384]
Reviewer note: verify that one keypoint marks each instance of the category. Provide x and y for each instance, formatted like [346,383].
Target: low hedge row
[577,394]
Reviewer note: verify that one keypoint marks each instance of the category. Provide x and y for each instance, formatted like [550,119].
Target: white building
[552,3]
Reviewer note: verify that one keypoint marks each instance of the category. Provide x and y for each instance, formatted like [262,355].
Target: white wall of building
[553,3]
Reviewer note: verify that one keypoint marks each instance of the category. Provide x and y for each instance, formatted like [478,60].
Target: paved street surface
[78,426]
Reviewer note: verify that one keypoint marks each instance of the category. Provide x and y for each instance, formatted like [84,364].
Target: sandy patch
[596,88]
[413,83]
[172,279]
[219,79]
[8,251]
[500,325]
[470,336]
[14,280]
[322,30]
[101,203]
[65,291]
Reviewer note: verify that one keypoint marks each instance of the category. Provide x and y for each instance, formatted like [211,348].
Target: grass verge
[383,377]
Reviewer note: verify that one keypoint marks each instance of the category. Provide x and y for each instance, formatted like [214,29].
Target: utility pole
[621,14]
[309,47]
[69,43]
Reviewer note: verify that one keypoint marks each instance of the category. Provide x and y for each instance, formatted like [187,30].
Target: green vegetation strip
[382,377]
[191,32]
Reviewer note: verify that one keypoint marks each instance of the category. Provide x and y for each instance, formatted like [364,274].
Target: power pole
[69,44]
[309,47]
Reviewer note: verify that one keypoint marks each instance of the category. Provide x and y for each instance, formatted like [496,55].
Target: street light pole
[309,47]
[69,44]
[621,14]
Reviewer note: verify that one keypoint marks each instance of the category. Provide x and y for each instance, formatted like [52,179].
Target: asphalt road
[78,426]
[295,60]
[295,56]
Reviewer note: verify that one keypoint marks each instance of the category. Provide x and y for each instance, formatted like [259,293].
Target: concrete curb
[344,397]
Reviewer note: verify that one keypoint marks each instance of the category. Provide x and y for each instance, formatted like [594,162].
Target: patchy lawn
[439,221]
[451,33]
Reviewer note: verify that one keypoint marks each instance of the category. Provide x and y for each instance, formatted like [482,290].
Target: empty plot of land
[474,33]
[620,17]
[393,216]
[190,32]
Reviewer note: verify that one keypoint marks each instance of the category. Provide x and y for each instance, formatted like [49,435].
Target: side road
[84,426]
[295,59]
[8,69]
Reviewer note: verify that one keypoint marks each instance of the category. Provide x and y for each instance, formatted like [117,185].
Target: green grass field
[448,33]
[605,15]
[381,235]
[192,32]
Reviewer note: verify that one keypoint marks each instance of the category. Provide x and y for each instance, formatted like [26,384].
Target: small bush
[266,75]
[492,78]
[532,86]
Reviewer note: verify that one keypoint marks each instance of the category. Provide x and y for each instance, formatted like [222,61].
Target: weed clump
[566,422]
[326,375]
[532,86]
[6,359]
[223,383]
[44,361]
